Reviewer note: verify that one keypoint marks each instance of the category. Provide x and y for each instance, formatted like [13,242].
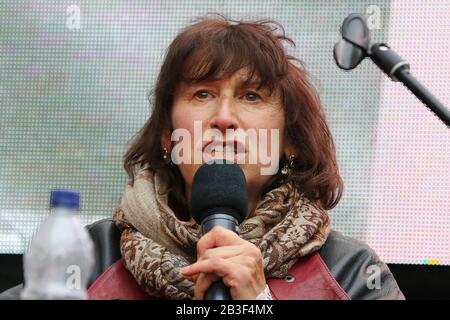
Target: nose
[224,116]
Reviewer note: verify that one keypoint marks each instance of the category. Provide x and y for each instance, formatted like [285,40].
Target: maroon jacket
[342,269]
[308,279]
[338,271]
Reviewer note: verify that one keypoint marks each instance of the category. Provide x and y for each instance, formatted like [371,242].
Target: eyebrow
[253,83]
[240,83]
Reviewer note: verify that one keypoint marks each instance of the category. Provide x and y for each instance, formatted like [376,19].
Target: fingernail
[183,270]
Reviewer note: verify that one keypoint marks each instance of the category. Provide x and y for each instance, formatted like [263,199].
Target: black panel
[422,281]
[11,273]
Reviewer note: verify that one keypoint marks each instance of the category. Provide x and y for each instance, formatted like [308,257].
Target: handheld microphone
[219,198]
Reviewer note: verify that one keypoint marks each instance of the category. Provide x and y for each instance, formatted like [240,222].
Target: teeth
[224,149]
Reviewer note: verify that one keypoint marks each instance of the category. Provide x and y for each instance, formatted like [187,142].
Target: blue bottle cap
[65,199]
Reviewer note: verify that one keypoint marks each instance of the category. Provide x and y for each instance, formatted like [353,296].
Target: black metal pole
[398,70]
[404,76]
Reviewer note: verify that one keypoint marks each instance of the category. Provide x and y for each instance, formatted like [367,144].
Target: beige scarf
[155,244]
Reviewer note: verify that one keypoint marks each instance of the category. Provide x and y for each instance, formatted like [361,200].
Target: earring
[288,166]
[166,154]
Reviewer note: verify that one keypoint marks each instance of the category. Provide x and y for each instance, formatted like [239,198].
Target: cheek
[280,124]
[184,118]
[281,127]
[274,126]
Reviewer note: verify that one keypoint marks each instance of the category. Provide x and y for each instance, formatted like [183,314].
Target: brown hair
[214,49]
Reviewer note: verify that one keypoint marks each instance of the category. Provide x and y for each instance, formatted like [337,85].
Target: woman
[227,75]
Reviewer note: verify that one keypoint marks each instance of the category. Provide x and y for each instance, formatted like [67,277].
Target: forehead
[239,78]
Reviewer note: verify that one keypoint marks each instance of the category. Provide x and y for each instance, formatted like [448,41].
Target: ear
[165,139]
[289,149]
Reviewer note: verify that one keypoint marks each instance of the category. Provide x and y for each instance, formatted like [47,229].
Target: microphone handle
[218,290]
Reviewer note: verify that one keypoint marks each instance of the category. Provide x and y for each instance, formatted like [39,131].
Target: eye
[201,94]
[252,96]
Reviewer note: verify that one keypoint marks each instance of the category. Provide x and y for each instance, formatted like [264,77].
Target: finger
[217,237]
[249,279]
[234,267]
[204,281]
[223,252]
[192,278]
[219,266]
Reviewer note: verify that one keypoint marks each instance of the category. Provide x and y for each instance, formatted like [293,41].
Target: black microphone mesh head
[219,185]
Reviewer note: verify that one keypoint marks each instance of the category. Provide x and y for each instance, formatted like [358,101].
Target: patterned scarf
[155,244]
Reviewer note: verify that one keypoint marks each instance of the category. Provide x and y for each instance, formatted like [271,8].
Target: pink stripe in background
[409,215]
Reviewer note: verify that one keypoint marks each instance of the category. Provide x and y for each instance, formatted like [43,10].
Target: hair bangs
[220,56]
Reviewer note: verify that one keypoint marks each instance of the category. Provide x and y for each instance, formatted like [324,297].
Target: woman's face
[223,105]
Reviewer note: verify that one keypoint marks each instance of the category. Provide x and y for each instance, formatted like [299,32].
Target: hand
[221,253]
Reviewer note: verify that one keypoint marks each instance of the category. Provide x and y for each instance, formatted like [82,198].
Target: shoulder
[358,269]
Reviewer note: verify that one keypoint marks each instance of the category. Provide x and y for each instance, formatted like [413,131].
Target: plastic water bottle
[61,255]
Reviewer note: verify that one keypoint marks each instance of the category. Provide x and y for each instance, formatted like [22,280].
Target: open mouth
[227,150]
